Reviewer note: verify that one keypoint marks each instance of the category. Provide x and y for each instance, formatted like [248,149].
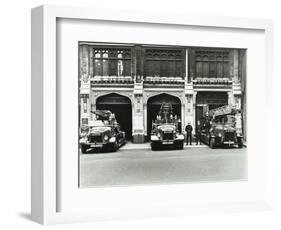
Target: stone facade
[106,70]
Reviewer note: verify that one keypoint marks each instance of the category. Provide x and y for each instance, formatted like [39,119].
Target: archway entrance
[153,106]
[121,107]
[206,101]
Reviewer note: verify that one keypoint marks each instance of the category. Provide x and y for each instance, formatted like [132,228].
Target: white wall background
[15,112]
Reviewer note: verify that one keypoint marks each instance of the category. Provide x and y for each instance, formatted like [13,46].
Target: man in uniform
[198,135]
[188,130]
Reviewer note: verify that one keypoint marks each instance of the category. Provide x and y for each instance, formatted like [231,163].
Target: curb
[148,147]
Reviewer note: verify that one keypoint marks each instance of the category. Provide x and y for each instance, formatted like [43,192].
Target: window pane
[199,69]
[225,69]
[219,69]
[178,69]
[105,54]
[127,68]
[97,54]
[212,69]
[156,68]
[205,69]
[164,69]
[112,53]
[105,67]
[171,68]
[98,69]
[120,68]
[149,68]
[112,67]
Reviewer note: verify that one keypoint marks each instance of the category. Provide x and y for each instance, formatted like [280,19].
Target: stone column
[189,110]
[93,105]
[145,118]
[231,100]
[186,66]
[85,84]
[192,65]
[183,115]
[194,110]
[235,66]
[137,114]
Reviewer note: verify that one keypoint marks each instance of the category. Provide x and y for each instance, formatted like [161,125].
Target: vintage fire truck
[166,129]
[222,127]
[102,133]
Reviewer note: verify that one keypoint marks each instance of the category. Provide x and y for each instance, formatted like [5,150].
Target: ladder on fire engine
[165,110]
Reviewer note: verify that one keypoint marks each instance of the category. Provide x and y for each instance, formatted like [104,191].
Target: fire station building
[133,80]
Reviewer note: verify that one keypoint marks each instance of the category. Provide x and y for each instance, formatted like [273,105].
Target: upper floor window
[112,62]
[212,64]
[164,63]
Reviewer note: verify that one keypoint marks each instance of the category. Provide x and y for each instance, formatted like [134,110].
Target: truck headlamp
[105,138]
[112,139]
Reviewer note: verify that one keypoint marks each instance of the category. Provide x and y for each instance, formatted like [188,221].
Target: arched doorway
[153,106]
[206,101]
[121,107]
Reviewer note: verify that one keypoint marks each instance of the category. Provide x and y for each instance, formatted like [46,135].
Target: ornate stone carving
[152,94]
[85,78]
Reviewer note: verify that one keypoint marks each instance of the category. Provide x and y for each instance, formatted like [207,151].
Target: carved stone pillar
[84,109]
[186,67]
[189,110]
[192,65]
[93,108]
[137,115]
[85,86]
[183,116]
[194,110]
[145,118]
[235,66]
[231,100]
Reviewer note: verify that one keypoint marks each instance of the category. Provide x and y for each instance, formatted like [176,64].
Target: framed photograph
[139,115]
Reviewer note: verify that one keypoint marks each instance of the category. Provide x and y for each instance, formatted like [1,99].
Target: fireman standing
[188,130]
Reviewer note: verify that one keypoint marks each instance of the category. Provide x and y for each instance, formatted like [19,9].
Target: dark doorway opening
[206,101]
[121,107]
[153,106]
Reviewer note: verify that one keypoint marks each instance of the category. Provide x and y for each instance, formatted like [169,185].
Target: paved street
[143,166]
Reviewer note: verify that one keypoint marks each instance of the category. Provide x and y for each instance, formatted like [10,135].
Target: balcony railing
[212,82]
[161,81]
[113,79]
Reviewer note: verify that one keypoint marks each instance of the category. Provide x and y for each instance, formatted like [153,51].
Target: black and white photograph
[161,114]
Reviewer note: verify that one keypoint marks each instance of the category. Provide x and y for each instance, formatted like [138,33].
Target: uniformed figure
[198,135]
[188,130]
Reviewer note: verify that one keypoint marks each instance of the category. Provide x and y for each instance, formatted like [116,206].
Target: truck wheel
[180,145]
[115,147]
[153,146]
[84,148]
[212,143]
[240,143]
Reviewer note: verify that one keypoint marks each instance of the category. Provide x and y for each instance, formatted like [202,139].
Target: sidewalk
[129,145]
